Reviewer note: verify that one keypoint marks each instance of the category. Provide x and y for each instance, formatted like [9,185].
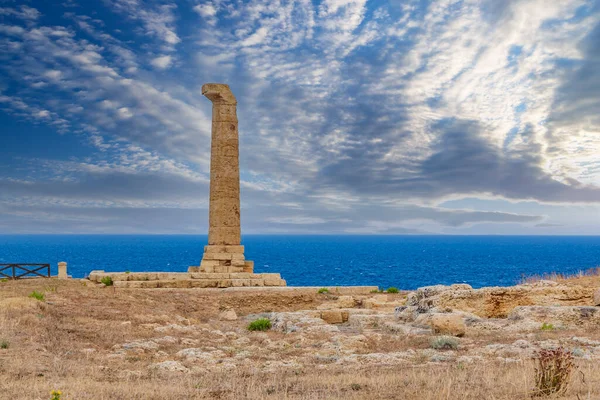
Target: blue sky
[356,116]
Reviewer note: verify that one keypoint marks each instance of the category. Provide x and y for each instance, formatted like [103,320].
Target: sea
[405,262]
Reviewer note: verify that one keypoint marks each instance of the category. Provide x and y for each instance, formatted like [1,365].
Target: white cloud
[162,62]
[206,10]
[25,13]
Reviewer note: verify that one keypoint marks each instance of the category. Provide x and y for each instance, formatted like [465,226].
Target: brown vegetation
[97,343]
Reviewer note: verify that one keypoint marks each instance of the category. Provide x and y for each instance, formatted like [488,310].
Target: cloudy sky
[356,116]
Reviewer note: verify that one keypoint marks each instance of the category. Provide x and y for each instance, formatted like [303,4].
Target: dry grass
[66,343]
[589,277]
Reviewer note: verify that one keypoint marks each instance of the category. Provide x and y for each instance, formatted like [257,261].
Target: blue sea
[406,262]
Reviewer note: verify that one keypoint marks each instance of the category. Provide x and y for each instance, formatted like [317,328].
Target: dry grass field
[105,343]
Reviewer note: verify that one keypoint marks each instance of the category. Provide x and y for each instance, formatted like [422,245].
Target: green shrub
[553,369]
[323,290]
[37,295]
[444,343]
[261,324]
[547,327]
[107,280]
[375,291]
[55,395]
[393,290]
[4,344]
[4,280]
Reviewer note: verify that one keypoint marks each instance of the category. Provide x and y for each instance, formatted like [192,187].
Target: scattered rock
[333,316]
[228,315]
[146,345]
[448,324]
[170,366]
[558,316]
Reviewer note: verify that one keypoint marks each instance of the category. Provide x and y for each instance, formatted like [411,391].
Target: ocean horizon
[403,261]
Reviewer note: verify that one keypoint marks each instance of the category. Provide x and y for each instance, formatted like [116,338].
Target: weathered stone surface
[495,302]
[248,266]
[448,324]
[62,270]
[224,249]
[597,297]
[559,316]
[332,316]
[228,315]
[224,209]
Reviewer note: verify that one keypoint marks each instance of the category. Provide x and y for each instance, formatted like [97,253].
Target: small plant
[547,327]
[393,290]
[355,386]
[323,290]
[4,344]
[444,343]
[37,295]
[553,371]
[4,280]
[375,291]
[127,272]
[55,395]
[261,324]
[578,352]
[107,280]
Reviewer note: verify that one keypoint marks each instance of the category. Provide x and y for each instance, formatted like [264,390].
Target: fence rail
[19,271]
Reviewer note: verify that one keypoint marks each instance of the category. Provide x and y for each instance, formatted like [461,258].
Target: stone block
[332,316]
[224,249]
[217,256]
[182,284]
[240,282]
[205,283]
[274,282]
[222,269]
[257,282]
[242,275]
[213,275]
[223,235]
[225,283]
[448,324]
[208,262]
[345,302]
[228,315]
[249,266]
[193,270]
[345,316]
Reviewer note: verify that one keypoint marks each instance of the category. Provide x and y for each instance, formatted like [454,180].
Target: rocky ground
[447,342]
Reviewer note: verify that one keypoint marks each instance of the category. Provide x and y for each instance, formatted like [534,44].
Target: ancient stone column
[62,270]
[224,252]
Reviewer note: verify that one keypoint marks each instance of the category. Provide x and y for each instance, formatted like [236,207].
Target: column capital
[219,93]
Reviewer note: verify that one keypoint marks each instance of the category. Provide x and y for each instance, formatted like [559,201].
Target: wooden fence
[19,271]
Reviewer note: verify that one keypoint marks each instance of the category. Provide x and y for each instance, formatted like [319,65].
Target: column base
[224,259]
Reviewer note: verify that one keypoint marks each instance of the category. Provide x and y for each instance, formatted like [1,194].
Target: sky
[355,116]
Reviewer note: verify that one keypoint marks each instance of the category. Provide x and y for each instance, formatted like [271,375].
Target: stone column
[62,270]
[224,252]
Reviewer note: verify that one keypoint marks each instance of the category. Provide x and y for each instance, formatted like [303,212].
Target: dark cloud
[577,101]
[462,162]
